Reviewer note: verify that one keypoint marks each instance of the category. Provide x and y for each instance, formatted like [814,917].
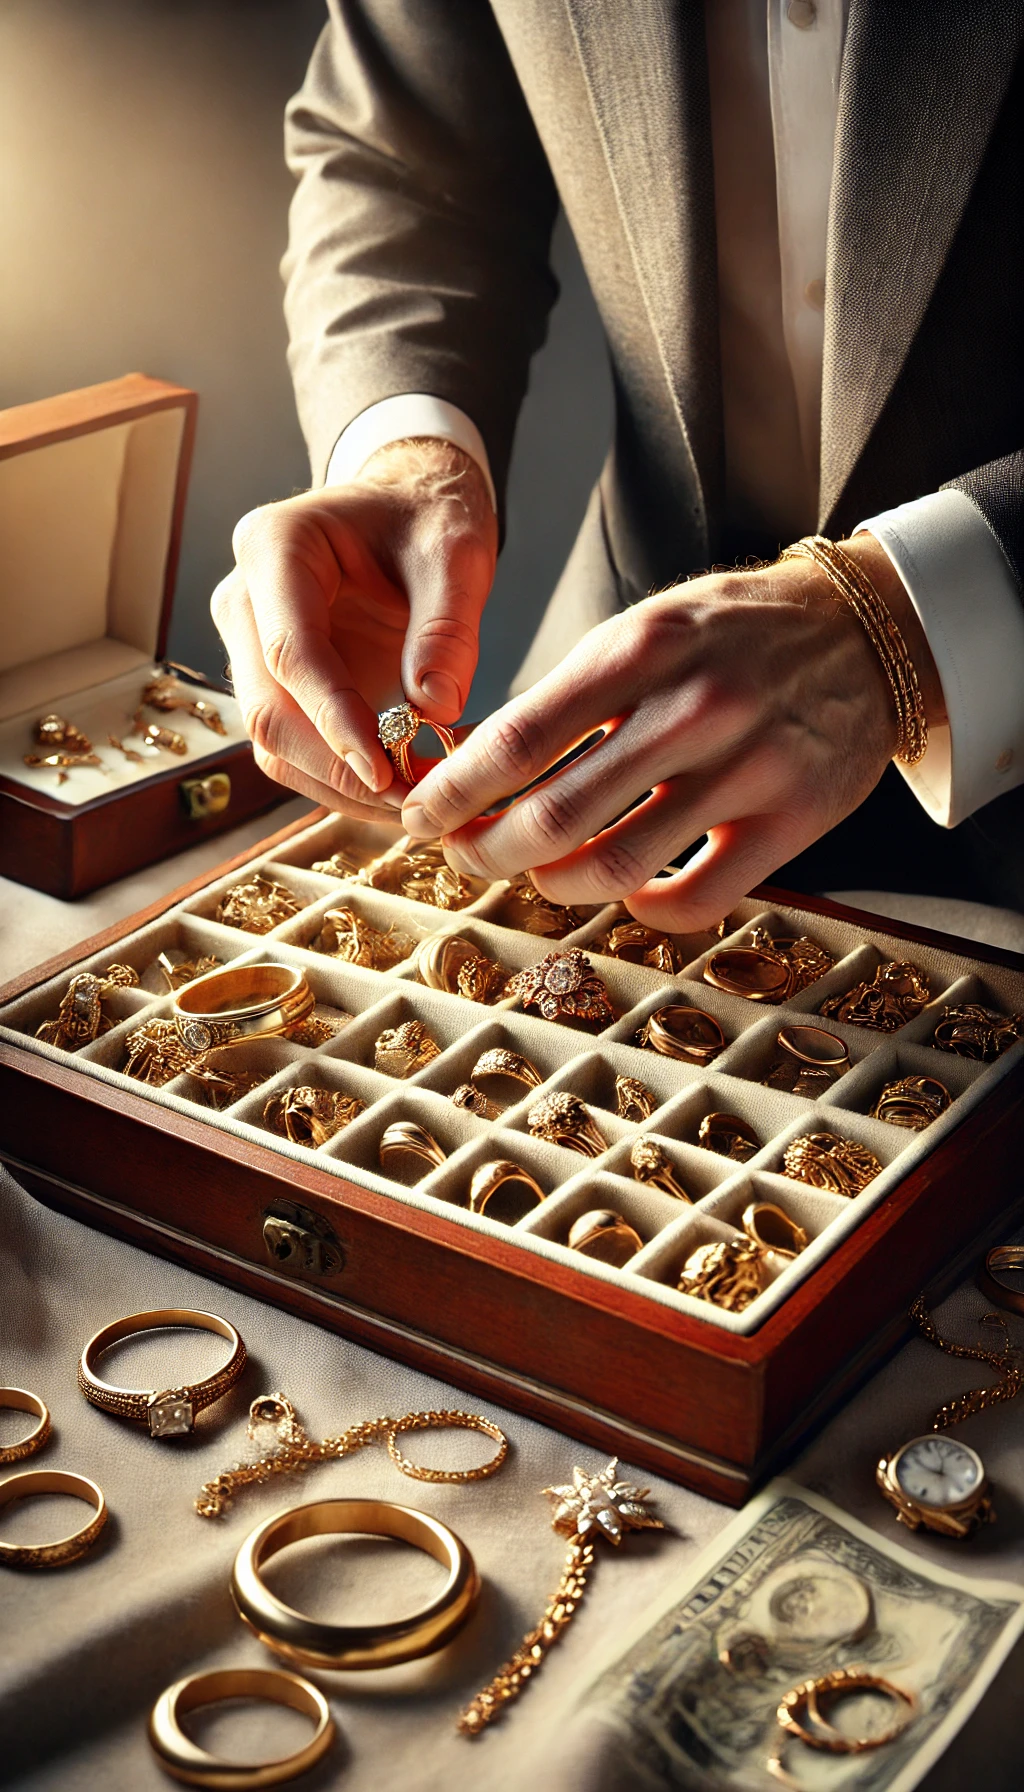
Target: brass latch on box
[202,797]
[300,1241]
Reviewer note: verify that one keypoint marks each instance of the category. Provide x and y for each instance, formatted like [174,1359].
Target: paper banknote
[794,1588]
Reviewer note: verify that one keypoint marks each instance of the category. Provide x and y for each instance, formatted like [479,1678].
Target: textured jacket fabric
[432,141]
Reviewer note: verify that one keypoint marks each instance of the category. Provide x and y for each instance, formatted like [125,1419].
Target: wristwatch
[937,1483]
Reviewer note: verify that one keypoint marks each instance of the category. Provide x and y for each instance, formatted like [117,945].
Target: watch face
[938,1471]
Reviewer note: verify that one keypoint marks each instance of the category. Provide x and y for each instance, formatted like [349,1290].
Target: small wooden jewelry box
[618,1357]
[92,497]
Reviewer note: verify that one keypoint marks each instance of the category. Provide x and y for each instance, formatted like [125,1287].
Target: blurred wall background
[143,202]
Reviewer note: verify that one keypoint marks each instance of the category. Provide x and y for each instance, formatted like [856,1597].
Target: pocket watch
[935,1482]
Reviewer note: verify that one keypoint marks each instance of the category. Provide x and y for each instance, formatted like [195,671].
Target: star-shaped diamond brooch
[601,1505]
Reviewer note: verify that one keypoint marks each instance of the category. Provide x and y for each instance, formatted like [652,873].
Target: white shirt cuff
[973,616]
[395,420]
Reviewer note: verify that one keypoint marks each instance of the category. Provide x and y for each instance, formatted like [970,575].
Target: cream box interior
[85,540]
[368,1001]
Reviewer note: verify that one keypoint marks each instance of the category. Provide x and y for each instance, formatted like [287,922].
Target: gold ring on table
[404,1050]
[437,1421]
[633,1100]
[729,1136]
[826,1161]
[20,1400]
[912,1101]
[65,1549]
[309,1642]
[804,1698]
[501,1175]
[506,1076]
[405,1146]
[398,727]
[184,1760]
[688,1034]
[241,1003]
[772,1228]
[604,1236]
[563,1119]
[650,1164]
[474,1101]
[1002,1256]
[170,1412]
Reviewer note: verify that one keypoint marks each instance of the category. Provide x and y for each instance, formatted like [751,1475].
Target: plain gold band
[311,1643]
[237,1004]
[20,1400]
[184,1760]
[133,1403]
[488,1178]
[63,1549]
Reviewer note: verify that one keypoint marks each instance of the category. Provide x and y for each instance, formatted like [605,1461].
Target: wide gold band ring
[65,1549]
[172,1411]
[20,1400]
[184,1760]
[397,728]
[241,1003]
[688,1034]
[504,1191]
[311,1643]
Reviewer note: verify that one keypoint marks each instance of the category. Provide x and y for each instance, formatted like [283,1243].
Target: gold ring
[20,1400]
[346,936]
[803,1699]
[912,1101]
[1003,1256]
[730,1274]
[771,1227]
[474,1101]
[310,1643]
[971,1031]
[651,1165]
[405,1146]
[458,1421]
[530,912]
[897,991]
[498,1178]
[507,1076]
[753,972]
[257,906]
[66,1549]
[239,1004]
[729,1136]
[807,1060]
[826,1161]
[310,1116]
[398,727]
[634,943]
[633,1100]
[564,1120]
[452,963]
[184,1760]
[172,1411]
[687,1034]
[565,987]
[605,1236]
[80,1017]
[402,1051]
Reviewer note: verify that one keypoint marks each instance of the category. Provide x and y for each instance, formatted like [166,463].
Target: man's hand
[344,601]
[749,706]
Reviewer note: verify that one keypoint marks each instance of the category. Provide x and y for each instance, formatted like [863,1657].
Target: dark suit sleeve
[998,491]
[421,226]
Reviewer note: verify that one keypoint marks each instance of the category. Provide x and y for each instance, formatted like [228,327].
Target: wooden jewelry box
[92,497]
[617,1358]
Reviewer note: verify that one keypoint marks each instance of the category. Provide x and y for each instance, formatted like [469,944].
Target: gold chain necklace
[976,1400]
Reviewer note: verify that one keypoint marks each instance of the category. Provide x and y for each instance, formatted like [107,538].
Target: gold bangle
[312,1643]
[239,1004]
[501,1175]
[405,1146]
[688,1034]
[398,727]
[20,1400]
[172,1411]
[850,580]
[184,1760]
[604,1236]
[65,1549]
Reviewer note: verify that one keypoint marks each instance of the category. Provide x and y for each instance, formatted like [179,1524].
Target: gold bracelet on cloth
[853,585]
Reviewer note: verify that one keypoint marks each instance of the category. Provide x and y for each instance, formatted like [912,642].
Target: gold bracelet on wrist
[854,586]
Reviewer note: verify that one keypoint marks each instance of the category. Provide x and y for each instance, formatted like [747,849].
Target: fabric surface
[85,1650]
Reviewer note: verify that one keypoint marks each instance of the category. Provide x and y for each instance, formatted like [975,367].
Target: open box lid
[92,498]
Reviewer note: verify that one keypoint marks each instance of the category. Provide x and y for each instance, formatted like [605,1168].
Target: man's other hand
[345,600]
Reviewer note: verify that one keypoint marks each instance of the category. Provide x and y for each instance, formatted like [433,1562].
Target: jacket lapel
[645,68]
[920,88]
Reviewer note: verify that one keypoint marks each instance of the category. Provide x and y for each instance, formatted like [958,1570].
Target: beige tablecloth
[85,1650]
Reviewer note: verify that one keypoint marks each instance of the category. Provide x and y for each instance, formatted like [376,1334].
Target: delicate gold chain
[509,1681]
[854,586]
[295,1451]
[965,1405]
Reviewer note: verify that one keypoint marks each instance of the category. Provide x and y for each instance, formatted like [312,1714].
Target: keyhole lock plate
[300,1241]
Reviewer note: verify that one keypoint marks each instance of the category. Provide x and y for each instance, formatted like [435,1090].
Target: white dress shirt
[774,75]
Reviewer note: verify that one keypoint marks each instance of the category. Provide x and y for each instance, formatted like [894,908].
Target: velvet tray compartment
[619,1358]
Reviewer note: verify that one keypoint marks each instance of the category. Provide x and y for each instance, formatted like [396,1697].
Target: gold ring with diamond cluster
[565,1120]
[241,1003]
[170,1412]
[398,727]
[564,987]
